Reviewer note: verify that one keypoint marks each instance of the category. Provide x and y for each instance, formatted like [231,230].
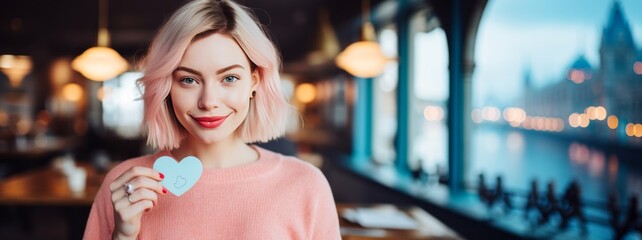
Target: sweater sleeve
[100,223]
[326,219]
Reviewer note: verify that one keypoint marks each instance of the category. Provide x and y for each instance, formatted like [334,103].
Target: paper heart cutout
[179,176]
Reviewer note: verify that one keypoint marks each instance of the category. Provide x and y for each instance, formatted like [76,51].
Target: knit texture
[276,197]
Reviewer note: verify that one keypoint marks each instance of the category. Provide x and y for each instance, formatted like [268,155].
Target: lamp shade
[15,67]
[362,59]
[100,63]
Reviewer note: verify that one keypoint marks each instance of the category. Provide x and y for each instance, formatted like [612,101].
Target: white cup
[64,164]
[77,179]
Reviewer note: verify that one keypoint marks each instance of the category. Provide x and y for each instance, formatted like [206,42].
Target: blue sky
[545,35]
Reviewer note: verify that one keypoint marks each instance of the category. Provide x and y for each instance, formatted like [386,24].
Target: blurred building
[611,85]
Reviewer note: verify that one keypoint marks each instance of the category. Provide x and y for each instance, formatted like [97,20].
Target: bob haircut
[269,109]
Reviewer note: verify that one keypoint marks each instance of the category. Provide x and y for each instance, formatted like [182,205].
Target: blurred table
[429,227]
[48,187]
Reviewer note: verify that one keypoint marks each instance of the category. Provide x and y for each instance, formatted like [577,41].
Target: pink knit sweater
[276,197]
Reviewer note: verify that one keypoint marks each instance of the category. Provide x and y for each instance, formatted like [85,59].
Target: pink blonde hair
[267,117]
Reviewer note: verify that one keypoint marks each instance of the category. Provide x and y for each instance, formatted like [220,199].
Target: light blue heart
[179,176]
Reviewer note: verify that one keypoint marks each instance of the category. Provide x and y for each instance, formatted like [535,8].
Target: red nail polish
[161,175]
[164,191]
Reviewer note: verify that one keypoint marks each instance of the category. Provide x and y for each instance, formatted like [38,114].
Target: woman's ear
[256,78]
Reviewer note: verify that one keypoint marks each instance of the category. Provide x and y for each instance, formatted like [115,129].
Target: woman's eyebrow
[225,69]
[189,70]
[222,70]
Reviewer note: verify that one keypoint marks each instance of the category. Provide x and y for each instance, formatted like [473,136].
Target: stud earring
[253,93]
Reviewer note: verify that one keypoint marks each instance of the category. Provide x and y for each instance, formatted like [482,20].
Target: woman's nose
[210,98]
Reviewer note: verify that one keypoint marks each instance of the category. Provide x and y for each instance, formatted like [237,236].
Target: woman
[211,85]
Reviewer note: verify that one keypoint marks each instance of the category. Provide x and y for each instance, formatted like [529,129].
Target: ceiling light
[15,67]
[363,58]
[100,63]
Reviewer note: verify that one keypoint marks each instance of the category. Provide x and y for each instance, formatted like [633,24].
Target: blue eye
[230,79]
[188,80]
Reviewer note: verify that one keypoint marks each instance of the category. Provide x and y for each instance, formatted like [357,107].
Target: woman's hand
[132,193]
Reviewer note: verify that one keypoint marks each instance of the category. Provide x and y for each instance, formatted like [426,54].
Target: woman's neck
[224,154]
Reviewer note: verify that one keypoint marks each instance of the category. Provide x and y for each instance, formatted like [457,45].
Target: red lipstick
[210,122]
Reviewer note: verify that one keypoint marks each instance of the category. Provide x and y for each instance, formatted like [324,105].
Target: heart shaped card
[179,176]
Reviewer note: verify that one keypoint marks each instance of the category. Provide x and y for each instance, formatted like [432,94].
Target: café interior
[399,165]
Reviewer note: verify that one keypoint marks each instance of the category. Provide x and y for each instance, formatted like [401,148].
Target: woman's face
[211,88]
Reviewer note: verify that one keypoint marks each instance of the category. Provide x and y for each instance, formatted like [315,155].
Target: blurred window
[555,94]
[428,130]
[384,122]
[122,105]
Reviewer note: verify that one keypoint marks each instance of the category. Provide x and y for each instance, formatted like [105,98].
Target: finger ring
[129,189]
[129,198]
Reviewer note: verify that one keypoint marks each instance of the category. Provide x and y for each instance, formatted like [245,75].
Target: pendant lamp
[100,63]
[16,67]
[363,58]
